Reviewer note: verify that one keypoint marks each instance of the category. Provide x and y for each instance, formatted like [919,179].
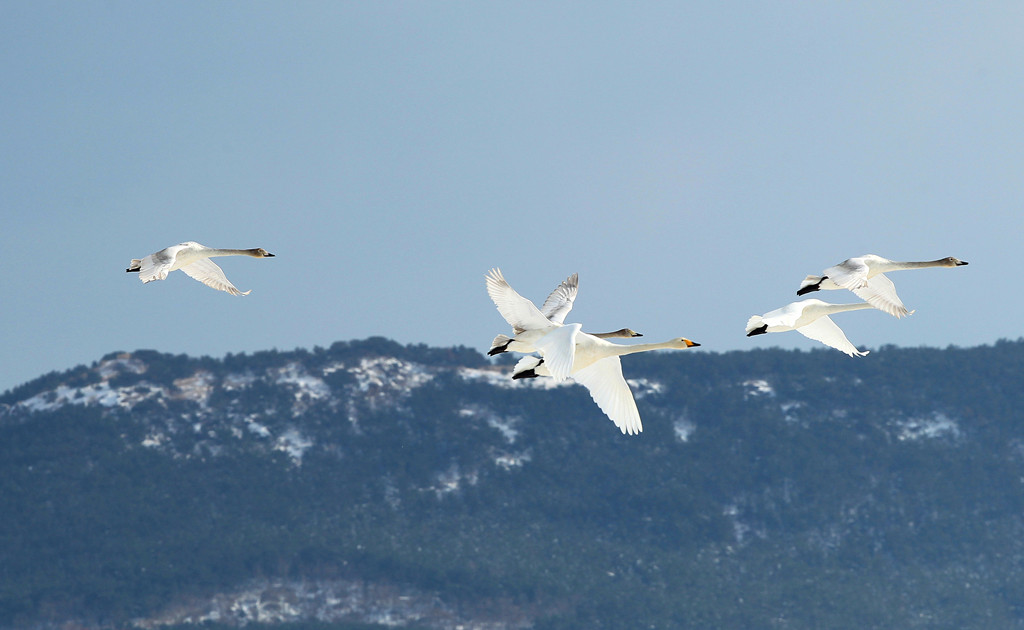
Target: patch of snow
[196,388]
[787,407]
[119,365]
[334,367]
[505,425]
[232,382]
[741,530]
[294,444]
[759,387]
[295,374]
[330,602]
[379,373]
[512,460]
[642,387]
[155,440]
[938,425]
[498,378]
[96,394]
[492,376]
[683,429]
[448,481]
[257,428]
[451,480]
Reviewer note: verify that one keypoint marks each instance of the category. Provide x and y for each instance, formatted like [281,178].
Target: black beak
[269,255]
[961,263]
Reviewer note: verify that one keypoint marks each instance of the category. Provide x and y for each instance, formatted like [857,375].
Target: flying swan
[555,308]
[194,260]
[811,319]
[597,367]
[535,330]
[864,276]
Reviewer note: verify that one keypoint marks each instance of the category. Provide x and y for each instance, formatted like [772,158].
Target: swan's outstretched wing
[880,292]
[156,266]
[850,274]
[558,348]
[559,303]
[827,332]
[519,312]
[207,272]
[610,391]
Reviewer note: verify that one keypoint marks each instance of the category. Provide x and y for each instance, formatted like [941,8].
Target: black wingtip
[760,330]
[499,349]
[531,373]
[811,287]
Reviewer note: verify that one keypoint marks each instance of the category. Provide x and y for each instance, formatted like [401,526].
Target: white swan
[533,329]
[555,308]
[864,276]
[597,367]
[194,260]
[504,343]
[811,319]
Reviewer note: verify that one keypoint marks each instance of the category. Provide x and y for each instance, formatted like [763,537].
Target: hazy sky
[691,161]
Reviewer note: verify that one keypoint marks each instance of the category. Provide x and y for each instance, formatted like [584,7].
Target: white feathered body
[865,277]
[193,259]
[810,318]
[597,367]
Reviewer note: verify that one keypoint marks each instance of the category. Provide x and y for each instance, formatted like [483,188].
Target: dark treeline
[769,489]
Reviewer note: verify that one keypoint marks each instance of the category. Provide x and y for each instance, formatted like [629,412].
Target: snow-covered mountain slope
[376,483]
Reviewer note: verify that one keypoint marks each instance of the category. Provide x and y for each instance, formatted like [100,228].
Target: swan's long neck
[621,333]
[644,347]
[211,252]
[842,308]
[899,266]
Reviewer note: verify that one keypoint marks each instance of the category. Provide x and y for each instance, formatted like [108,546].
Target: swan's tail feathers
[756,326]
[527,368]
[499,345]
[810,283]
[136,265]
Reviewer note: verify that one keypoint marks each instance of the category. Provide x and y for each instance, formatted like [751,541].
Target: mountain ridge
[770,488]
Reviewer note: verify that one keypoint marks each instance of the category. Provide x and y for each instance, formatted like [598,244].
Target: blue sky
[692,162]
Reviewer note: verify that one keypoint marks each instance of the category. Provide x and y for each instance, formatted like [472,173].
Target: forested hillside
[372,484]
